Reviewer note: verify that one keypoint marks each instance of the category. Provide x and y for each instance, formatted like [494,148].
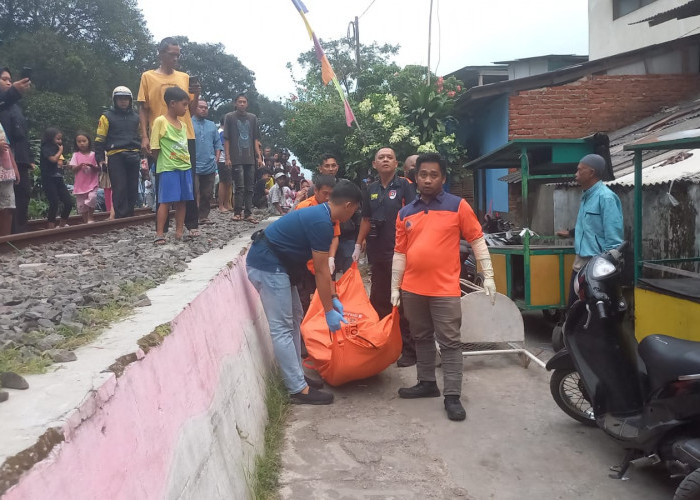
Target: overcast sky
[266,34]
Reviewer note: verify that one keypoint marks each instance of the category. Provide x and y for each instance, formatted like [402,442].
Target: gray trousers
[431,319]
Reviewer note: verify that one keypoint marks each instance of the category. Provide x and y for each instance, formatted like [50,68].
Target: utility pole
[354,32]
[430,31]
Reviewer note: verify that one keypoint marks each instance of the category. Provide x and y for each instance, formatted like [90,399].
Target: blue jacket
[208,143]
[599,222]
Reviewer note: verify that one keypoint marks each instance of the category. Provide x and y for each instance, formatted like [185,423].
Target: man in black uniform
[381,204]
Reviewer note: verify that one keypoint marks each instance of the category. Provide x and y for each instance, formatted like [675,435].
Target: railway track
[75,229]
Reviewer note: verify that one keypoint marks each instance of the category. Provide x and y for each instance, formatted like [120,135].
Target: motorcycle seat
[667,358]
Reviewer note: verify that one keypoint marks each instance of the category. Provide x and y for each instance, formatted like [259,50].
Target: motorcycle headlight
[601,268]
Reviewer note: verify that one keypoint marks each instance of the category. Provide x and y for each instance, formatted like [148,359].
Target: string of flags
[327,73]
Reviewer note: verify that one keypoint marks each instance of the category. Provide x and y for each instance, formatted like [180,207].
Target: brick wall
[598,103]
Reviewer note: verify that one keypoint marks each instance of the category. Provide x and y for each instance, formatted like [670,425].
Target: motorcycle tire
[689,489]
[569,394]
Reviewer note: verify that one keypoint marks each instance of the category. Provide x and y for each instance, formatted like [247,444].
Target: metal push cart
[663,304]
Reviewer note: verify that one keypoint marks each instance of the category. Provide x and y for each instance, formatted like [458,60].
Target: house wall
[595,103]
[609,37]
[486,132]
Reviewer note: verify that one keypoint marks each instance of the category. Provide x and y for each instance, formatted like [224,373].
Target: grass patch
[268,465]
[12,360]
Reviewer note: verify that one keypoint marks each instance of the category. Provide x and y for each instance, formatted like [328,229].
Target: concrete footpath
[515,444]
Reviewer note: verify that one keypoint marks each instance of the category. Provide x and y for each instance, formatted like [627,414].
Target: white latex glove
[398,267]
[356,252]
[331,264]
[395,298]
[483,260]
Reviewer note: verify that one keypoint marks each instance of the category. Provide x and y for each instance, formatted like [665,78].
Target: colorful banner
[327,73]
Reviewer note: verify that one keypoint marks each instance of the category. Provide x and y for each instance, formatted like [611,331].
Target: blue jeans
[283,310]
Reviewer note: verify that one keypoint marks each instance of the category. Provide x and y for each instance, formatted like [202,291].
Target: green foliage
[376,68]
[221,75]
[269,463]
[67,112]
[394,106]
[314,127]
[38,207]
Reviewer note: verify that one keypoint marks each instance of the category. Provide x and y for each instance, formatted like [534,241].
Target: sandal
[160,240]
[194,233]
[251,219]
[206,222]
[237,218]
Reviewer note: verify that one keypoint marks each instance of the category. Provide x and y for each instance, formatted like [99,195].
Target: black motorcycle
[646,396]
[468,270]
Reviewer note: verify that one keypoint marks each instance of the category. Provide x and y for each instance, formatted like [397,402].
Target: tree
[221,75]
[111,27]
[375,66]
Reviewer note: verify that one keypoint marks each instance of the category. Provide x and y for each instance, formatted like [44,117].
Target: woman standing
[15,126]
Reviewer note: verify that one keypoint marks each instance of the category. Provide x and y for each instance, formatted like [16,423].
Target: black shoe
[313,383]
[406,360]
[420,390]
[314,397]
[455,410]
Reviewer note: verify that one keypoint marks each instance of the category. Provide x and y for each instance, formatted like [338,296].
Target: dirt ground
[515,444]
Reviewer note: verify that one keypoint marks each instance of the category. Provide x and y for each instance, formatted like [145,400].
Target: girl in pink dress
[86,176]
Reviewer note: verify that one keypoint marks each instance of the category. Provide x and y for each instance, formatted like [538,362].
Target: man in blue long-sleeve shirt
[209,149]
[599,221]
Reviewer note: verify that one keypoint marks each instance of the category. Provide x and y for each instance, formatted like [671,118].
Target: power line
[437,12]
[368,7]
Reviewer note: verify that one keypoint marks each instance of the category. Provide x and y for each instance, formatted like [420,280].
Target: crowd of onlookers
[157,148]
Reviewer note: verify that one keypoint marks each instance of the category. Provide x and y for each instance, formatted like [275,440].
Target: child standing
[169,143]
[51,167]
[281,197]
[86,176]
[9,176]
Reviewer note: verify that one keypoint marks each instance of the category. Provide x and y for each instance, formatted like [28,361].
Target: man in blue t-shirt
[274,262]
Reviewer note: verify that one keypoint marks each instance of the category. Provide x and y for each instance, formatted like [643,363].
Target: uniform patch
[392,194]
[374,196]
[409,226]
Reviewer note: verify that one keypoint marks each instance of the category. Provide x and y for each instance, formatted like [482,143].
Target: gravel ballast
[56,296]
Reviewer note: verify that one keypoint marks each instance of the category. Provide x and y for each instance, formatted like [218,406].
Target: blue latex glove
[338,305]
[333,319]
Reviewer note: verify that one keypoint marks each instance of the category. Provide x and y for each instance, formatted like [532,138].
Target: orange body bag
[361,348]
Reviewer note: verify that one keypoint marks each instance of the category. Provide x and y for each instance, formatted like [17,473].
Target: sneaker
[422,389]
[314,397]
[313,383]
[406,360]
[455,410]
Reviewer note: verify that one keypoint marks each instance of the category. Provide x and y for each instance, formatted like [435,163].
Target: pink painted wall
[125,448]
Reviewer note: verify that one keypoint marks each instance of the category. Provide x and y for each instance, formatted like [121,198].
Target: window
[624,7]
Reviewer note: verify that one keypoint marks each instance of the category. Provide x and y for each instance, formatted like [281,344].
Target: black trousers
[124,176]
[191,210]
[244,181]
[380,298]
[56,191]
[23,193]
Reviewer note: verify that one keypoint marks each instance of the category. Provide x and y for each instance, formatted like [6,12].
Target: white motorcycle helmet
[122,91]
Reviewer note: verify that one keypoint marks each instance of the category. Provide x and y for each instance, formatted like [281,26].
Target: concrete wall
[598,103]
[184,420]
[608,37]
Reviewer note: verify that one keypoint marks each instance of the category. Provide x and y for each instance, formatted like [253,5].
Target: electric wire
[437,12]
[368,7]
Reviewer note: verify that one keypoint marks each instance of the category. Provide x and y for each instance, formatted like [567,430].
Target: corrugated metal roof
[684,11]
[679,166]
